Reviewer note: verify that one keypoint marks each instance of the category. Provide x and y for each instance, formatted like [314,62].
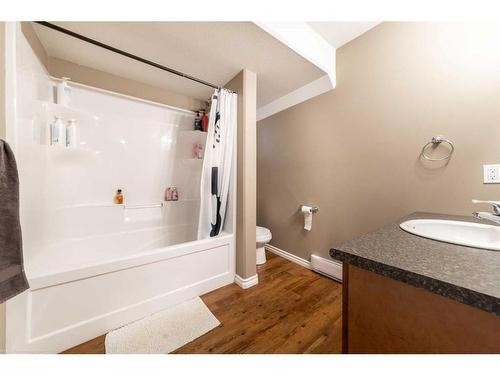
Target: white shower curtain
[217,163]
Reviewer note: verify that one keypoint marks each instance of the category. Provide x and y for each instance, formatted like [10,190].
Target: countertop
[465,274]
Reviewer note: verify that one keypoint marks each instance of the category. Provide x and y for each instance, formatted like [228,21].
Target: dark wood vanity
[407,294]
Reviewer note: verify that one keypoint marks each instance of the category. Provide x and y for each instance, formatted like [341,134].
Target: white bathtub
[122,278]
[94,266]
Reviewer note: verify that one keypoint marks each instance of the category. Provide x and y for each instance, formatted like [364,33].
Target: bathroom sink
[482,236]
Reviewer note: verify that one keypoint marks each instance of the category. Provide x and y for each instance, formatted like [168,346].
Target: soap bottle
[71,134]
[64,92]
[119,197]
[168,194]
[175,194]
[197,122]
[57,132]
[204,122]
[198,151]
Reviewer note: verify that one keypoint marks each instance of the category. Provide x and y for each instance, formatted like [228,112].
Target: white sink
[482,236]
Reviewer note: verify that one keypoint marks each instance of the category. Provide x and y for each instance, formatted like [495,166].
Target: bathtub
[94,266]
[122,278]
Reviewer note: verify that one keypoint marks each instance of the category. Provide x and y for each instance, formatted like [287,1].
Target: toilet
[263,237]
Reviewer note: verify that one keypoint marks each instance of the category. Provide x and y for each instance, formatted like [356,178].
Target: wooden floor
[291,310]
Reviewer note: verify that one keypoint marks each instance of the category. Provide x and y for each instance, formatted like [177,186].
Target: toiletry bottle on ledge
[71,134]
[57,132]
[197,121]
[168,194]
[204,122]
[198,151]
[64,92]
[175,194]
[119,197]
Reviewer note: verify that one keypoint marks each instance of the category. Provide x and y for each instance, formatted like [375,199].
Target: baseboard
[290,257]
[246,283]
[326,267]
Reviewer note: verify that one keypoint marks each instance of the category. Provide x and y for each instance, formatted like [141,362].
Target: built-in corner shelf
[193,132]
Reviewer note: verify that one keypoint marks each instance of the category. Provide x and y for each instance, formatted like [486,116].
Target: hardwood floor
[291,310]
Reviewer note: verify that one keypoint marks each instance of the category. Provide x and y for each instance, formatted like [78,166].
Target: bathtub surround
[92,245]
[354,151]
[163,332]
[245,85]
[12,278]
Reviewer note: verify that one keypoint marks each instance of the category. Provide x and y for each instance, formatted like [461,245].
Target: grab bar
[137,206]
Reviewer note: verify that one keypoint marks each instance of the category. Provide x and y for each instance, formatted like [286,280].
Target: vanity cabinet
[404,293]
[383,315]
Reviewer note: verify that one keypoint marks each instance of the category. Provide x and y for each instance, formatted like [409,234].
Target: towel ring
[436,140]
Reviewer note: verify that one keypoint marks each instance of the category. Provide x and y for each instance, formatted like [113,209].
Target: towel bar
[435,141]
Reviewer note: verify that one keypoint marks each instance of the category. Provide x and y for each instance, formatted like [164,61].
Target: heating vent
[327,267]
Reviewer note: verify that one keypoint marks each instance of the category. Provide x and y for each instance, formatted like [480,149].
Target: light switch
[491,174]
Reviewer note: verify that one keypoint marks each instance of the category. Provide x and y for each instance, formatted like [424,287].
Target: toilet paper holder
[314,209]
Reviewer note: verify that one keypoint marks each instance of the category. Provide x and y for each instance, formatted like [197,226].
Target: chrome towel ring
[435,141]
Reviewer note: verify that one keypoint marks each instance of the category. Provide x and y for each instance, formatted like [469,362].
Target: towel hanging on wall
[217,163]
[12,277]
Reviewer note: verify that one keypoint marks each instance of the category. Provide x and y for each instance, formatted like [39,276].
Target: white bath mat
[164,331]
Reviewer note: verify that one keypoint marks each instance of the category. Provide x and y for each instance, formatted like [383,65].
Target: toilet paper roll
[308,217]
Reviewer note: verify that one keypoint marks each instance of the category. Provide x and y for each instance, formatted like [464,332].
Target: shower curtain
[217,163]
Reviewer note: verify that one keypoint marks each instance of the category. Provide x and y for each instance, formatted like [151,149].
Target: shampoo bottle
[197,122]
[71,134]
[204,122]
[168,194]
[175,194]
[64,92]
[119,197]
[57,132]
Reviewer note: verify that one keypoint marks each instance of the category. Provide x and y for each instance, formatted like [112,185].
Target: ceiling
[340,33]
[212,51]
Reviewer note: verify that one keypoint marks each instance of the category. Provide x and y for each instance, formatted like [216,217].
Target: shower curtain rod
[126,54]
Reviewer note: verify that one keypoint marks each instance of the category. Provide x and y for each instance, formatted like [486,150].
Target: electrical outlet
[491,174]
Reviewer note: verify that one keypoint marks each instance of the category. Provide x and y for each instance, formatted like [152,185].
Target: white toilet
[263,237]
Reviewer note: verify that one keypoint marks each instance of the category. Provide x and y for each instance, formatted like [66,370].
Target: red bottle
[204,122]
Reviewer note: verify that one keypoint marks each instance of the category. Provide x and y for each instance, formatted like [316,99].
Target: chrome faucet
[491,216]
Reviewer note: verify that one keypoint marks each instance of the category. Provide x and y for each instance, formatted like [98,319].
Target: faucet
[491,216]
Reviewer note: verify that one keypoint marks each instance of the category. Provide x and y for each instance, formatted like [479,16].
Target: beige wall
[2,135]
[354,151]
[37,47]
[245,84]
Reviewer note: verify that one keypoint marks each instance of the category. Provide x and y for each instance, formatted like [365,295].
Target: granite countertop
[465,274]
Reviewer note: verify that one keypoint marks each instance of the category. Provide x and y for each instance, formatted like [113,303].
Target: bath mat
[163,332]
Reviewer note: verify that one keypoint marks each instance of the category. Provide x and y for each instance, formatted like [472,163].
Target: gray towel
[12,278]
